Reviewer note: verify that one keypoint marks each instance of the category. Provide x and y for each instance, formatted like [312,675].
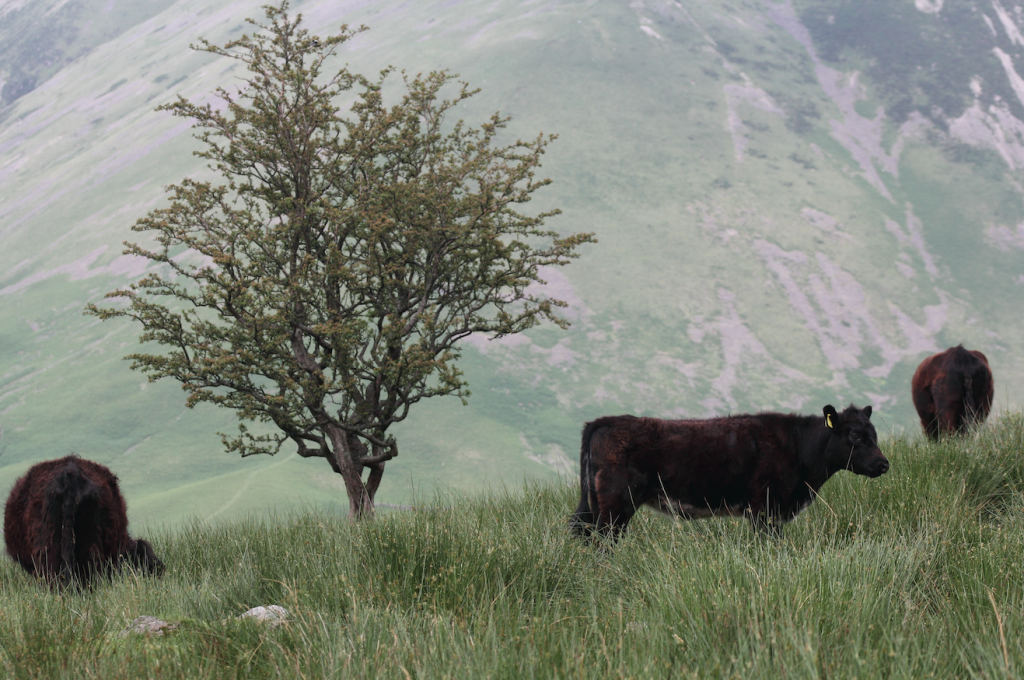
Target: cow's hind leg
[950,418]
[584,520]
[925,405]
[616,503]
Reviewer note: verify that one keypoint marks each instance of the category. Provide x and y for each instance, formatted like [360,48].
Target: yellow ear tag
[828,419]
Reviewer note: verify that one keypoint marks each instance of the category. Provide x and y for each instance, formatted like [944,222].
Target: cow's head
[853,442]
[141,556]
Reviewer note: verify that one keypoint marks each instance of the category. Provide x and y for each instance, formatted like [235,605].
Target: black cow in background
[66,521]
[767,467]
[952,390]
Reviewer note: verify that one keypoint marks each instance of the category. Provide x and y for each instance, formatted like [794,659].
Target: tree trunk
[373,481]
[360,501]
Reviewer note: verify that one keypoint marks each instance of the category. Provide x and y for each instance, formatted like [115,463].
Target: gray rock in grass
[274,615]
[148,626]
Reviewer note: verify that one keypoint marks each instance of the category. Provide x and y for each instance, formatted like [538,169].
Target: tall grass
[915,574]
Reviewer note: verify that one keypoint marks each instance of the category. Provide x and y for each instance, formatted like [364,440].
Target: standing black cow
[66,521]
[952,390]
[767,466]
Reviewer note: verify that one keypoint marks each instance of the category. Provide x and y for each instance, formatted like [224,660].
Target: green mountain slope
[796,202]
[41,37]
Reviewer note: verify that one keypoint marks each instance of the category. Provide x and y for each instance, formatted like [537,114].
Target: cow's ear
[867,410]
[831,417]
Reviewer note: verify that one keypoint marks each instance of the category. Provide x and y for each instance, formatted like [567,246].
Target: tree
[325,286]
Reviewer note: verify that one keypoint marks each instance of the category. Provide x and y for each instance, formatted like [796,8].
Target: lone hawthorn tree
[326,285]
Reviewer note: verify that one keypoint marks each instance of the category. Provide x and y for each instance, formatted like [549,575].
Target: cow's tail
[584,521]
[64,497]
[970,405]
[67,536]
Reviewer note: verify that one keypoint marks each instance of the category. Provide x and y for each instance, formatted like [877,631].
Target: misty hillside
[795,202]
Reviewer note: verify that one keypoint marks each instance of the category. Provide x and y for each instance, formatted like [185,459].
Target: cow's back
[952,389]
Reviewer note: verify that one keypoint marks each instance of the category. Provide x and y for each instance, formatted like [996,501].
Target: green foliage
[914,574]
[325,286]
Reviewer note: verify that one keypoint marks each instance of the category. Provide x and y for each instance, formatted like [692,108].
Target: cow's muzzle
[877,467]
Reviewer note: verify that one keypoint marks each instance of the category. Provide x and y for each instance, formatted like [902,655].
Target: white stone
[274,615]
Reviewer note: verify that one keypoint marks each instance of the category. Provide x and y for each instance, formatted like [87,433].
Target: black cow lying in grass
[66,521]
[952,390]
[767,467]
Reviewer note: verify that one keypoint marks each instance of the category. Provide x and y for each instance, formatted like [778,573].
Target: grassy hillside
[780,227]
[914,574]
[41,37]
